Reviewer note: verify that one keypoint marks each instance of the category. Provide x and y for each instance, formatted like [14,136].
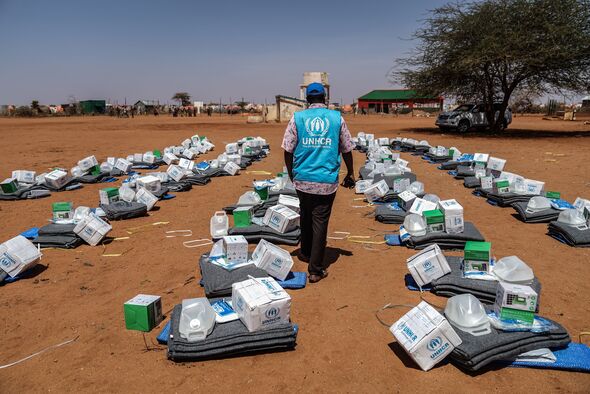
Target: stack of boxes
[62,211]
[516,303]
[109,195]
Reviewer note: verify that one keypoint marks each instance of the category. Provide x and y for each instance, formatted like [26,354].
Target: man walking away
[313,142]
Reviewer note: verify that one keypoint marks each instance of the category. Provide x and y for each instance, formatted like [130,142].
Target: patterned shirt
[290,143]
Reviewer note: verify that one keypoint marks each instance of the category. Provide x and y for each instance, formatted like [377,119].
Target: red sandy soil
[341,345]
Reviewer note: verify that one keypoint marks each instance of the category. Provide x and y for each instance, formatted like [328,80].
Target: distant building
[404,100]
[146,106]
[311,77]
[93,106]
[586,102]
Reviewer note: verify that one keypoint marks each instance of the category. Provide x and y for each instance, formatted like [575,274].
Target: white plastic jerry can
[219,224]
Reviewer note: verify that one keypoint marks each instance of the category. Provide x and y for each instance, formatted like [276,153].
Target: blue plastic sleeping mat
[168,196]
[393,240]
[575,357]
[293,281]
[31,233]
[412,285]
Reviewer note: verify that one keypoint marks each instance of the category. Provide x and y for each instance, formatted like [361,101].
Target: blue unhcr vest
[317,156]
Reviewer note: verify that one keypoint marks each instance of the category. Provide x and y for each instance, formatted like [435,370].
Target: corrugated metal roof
[394,94]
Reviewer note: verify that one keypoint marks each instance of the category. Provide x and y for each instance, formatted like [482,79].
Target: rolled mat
[228,340]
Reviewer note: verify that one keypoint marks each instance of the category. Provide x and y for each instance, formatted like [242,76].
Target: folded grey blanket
[254,233]
[471,182]
[23,193]
[437,159]
[503,200]
[58,236]
[177,187]
[212,172]
[475,353]
[454,283]
[545,216]
[123,210]
[197,180]
[217,281]
[448,241]
[288,192]
[571,235]
[227,340]
[464,171]
[89,178]
[386,215]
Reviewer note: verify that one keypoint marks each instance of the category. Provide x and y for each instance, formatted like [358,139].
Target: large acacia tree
[486,51]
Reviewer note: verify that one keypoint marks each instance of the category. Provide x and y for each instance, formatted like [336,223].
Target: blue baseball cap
[315,89]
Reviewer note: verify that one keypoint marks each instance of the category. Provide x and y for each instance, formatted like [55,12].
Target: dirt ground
[341,345]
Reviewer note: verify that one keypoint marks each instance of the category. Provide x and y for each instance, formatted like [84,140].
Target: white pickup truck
[467,116]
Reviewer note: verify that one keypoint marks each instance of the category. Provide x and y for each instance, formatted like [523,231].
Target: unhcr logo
[271,313]
[434,344]
[317,127]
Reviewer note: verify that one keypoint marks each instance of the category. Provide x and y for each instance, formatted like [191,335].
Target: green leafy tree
[183,98]
[485,51]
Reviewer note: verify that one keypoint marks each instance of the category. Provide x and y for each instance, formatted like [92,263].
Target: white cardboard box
[453,211]
[534,187]
[24,176]
[186,143]
[521,297]
[425,335]
[281,218]
[186,164]
[175,172]
[56,179]
[87,163]
[406,199]
[149,158]
[234,157]
[261,303]
[580,203]
[275,261]
[123,165]
[189,154]
[427,265]
[420,205]
[149,182]
[236,248]
[231,148]
[144,196]
[18,255]
[138,158]
[495,163]
[376,190]
[401,185]
[362,185]
[231,168]
[487,182]
[92,229]
[481,157]
[291,202]
[177,150]
[170,158]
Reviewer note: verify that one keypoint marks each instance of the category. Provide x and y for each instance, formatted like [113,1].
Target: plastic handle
[220,213]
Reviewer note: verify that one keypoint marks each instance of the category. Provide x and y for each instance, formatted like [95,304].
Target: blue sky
[219,49]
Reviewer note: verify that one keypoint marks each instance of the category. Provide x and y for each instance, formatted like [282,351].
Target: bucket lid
[432,198]
[416,187]
[415,224]
[467,313]
[574,218]
[538,204]
[511,269]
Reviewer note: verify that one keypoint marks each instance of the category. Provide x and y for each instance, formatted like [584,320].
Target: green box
[9,185]
[434,216]
[242,216]
[553,194]
[62,210]
[157,153]
[108,195]
[501,183]
[479,251]
[143,312]
[95,170]
[518,315]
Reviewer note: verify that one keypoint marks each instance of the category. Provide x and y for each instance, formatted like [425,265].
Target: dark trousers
[315,215]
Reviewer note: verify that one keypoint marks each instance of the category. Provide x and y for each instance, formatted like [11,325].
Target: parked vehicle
[467,116]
